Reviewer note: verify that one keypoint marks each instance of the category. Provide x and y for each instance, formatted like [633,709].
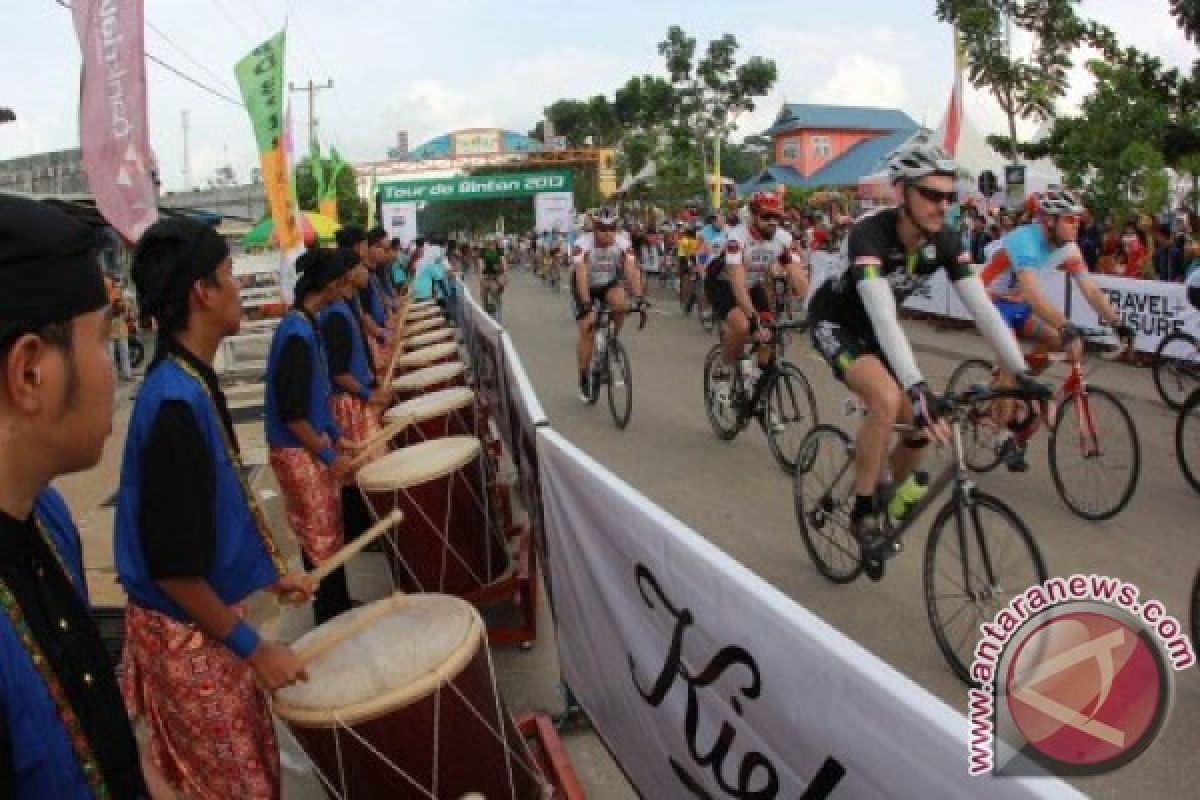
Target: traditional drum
[432,337]
[430,379]
[450,541]
[427,356]
[424,313]
[401,702]
[421,305]
[449,412]
[423,326]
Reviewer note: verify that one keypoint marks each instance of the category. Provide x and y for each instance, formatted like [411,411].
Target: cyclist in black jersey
[493,271]
[891,254]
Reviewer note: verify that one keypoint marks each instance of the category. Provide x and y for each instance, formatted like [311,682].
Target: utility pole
[187,158]
[311,89]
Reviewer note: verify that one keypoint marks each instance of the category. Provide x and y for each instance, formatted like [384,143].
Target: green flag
[336,165]
[318,168]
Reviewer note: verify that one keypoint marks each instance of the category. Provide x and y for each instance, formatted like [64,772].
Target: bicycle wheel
[620,384]
[718,396]
[1095,474]
[1001,560]
[1187,440]
[979,429]
[1177,368]
[823,495]
[791,409]
[1195,610]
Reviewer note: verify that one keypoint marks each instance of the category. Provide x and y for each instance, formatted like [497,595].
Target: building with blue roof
[822,145]
[475,142]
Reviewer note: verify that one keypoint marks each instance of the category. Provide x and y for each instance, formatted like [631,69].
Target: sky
[435,67]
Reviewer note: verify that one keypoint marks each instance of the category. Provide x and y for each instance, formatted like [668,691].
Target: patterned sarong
[206,725]
[312,501]
[357,421]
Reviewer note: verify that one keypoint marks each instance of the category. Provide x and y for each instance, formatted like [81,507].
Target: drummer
[379,261]
[191,544]
[374,318]
[63,727]
[357,400]
[301,432]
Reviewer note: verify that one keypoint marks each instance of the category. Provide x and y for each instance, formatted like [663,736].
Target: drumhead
[429,406]
[426,339]
[380,658]
[429,376]
[423,326]
[418,463]
[424,313]
[419,304]
[426,355]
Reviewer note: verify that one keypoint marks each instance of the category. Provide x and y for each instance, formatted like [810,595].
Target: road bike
[1177,368]
[781,398]
[979,553]
[610,364]
[1094,453]
[1187,440]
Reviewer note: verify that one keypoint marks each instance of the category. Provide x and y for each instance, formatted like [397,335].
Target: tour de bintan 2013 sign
[476,187]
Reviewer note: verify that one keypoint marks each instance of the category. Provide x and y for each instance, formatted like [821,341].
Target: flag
[318,168]
[113,134]
[260,77]
[328,202]
[948,131]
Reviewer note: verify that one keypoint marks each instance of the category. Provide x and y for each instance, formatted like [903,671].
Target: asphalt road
[735,495]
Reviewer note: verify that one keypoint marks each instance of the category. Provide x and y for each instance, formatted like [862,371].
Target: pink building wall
[808,162]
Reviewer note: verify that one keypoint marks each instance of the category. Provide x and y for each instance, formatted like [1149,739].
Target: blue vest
[385,282]
[375,302]
[360,365]
[43,758]
[242,564]
[320,415]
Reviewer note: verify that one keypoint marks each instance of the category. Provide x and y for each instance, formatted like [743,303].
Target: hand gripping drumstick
[370,443]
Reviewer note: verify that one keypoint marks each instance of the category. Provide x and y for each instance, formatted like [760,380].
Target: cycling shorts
[720,297]
[595,294]
[1016,314]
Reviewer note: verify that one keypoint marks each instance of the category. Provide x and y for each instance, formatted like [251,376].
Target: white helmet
[918,160]
[1058,202]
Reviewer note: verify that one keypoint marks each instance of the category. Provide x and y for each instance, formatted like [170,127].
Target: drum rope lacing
[501,737]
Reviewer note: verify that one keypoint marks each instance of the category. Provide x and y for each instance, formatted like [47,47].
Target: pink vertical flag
[948,131]
[113,132]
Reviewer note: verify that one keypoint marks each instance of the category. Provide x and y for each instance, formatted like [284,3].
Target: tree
[713,92]
[1025,88]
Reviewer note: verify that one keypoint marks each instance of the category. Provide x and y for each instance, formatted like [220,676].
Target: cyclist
[603,257]
[735,281]
[1012,277]
[892,253]
[493,271]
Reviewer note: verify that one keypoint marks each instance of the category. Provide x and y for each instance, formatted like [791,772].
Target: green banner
[260,77]
[476,187]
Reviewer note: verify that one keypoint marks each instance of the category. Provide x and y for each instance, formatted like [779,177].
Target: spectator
[979,239]
[1133,252]
[1089,239]
[118,328]
[1110,252]
[1168,254]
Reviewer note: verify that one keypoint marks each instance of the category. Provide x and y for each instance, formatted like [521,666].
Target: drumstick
[307,655]
[371,442]
[354,548]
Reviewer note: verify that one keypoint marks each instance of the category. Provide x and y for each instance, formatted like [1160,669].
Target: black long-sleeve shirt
[292,380]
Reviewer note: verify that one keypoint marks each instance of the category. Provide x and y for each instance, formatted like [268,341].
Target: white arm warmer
[881,308]
[991,324]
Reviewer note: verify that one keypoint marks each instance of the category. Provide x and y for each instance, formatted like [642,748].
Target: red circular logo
[1087,690]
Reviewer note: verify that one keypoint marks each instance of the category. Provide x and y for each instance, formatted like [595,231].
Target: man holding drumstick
[191,543]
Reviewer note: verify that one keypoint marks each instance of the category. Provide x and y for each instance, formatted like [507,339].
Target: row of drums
[401,700]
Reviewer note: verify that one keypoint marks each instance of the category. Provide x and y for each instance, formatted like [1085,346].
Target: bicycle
[610,365]
[973,558]
[1177,368]
[1187,440]
[1093,442]
[781,399]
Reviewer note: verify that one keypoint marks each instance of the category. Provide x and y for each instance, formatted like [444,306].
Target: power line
[220,81]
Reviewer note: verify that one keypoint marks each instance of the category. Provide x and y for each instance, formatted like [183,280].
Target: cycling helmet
[915,161]
[606,217]
[1055,202]
[766,203]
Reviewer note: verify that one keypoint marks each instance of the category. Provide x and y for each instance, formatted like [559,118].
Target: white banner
[552,211]
[707,682]
[400,220]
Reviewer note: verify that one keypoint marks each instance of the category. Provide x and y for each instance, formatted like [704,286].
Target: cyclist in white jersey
[602,258]
[737,281]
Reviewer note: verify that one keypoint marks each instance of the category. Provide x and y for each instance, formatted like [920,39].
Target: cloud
[861,80]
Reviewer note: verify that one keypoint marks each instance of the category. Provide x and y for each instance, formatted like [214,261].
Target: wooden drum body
[412,328]
[401,703]
[449,541]
[437,336]
[430,356]
[435,415]
[430,379]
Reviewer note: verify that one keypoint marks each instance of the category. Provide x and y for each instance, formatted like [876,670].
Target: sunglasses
[934,196]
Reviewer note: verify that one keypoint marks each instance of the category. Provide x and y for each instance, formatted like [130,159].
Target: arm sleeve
[177,517]
[292,380]
[880,305]
[335,331]
[990,323]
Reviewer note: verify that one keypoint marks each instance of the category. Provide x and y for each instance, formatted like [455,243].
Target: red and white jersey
[587,241]
[744,246]
[604,264]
